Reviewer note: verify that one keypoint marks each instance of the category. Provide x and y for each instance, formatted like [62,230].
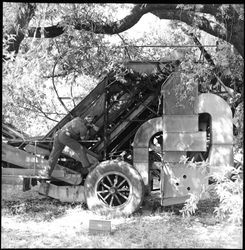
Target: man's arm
[94,127]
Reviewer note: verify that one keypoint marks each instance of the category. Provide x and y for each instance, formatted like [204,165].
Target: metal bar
[149,108]
[154,46]
[26,176]
[223,85]
[106,120]
[46,140]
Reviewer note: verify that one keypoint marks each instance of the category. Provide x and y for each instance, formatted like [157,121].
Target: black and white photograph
[122,125]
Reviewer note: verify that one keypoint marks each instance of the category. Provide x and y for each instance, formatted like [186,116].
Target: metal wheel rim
[113,189]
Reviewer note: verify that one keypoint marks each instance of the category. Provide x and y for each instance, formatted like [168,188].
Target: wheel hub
[113,190]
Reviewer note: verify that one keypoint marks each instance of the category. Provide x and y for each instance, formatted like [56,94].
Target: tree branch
[60,100]
[45,114]
[233,33]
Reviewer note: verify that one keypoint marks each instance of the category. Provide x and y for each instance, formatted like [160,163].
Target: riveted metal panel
[180,123]
[184,141]
[180,179]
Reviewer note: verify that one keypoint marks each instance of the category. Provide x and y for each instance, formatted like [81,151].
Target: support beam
[63,193]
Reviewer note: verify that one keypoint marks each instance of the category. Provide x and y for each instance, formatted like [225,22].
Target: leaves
[83,56]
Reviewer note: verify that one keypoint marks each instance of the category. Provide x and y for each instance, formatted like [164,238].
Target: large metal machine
[156,132]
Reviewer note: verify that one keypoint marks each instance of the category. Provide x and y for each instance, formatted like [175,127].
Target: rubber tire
[123,169]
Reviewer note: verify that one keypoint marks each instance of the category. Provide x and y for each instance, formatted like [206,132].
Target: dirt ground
[30,220]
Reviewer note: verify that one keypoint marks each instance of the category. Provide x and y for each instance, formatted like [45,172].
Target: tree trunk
[17,29]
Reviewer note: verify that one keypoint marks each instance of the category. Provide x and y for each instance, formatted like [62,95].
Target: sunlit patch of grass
[48,223]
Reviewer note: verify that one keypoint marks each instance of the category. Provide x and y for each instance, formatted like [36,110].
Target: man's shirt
[76,128]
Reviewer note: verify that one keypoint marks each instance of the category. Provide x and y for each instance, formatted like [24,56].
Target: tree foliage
[61,50]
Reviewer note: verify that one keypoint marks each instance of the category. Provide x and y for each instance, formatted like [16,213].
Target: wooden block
[63,193]
[99,226]
[184,141]
[180,123]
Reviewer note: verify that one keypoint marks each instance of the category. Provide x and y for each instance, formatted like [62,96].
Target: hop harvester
[155,132]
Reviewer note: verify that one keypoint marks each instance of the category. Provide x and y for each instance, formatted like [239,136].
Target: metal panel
[173,156]
[180,123]
[25,172]
[177,98]
[141,155]
[221,117]
[180,179]
[220,156]
[67,151]
[13,180]
[184,141]
[143,169]
[174,200]
[21,158]
[66,175]
[146,131]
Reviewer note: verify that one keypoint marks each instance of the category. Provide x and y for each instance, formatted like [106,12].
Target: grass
[40,222]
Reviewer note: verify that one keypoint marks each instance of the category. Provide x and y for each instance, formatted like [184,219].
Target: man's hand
[95,127]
